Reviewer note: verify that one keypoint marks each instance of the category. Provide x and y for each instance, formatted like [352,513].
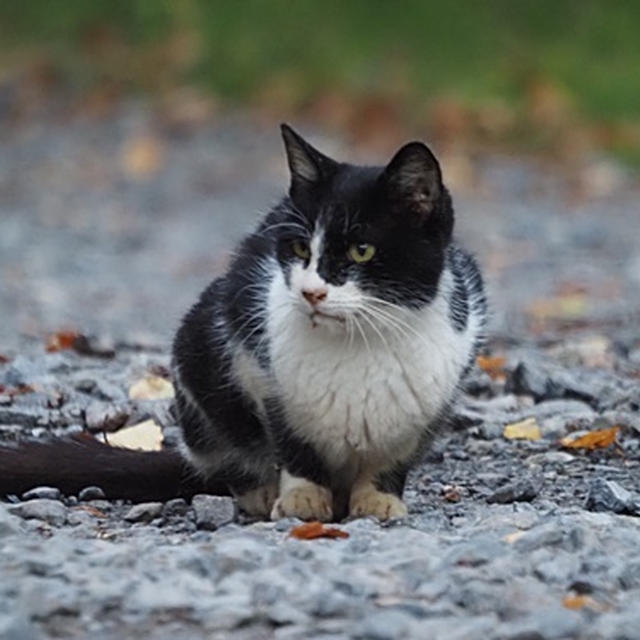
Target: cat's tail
[73,464]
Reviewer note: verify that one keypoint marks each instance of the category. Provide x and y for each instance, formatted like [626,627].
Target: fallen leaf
[90,509]
[493,365]
[581,601]
[451,493]
[559,308]
[313,530]
[20,390]
[145,436]
[510,538]
[142,156]
[598,439]
[151,388]
[524,430]
[61,340]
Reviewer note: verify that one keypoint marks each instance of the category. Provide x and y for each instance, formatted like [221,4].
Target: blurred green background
[557,76]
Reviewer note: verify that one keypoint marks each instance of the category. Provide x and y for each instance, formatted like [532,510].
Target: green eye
[361,252]
[301,249]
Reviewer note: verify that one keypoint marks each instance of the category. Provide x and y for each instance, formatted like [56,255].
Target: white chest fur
[370,399]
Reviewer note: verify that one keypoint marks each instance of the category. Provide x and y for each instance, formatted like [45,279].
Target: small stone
[213,512]
[5,400]
[50,493]
[144,512]
[8,522]
[91,493]
[51,511]
[523,490]
[607,495]
[175,507]
[100,417]
[387,625]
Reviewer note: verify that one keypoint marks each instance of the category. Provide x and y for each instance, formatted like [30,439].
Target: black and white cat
[311,376]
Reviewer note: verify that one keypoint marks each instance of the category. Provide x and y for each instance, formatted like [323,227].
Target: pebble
[608,495]
[144,512]
[212,512]
[177,507]
[100,417]
[91,493]
[523,490]
[42,492]
[51,511]
[9,524]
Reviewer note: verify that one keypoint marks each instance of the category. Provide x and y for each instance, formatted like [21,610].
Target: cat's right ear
[307,165]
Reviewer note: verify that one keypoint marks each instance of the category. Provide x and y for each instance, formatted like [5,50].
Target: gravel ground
[506,538]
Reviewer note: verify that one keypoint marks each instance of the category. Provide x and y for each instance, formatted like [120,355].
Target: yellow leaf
[524,430]
[146,436]
[151,388]
[510,538]
[598,439]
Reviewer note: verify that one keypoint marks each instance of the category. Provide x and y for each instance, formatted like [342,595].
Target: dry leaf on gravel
[151,388]
[20,390]
[493,365]
[145,436]
[451,493]
[61,340]
[577,602]
[142,156]
[524,430]
[599,439]
[90,509]
[313,530]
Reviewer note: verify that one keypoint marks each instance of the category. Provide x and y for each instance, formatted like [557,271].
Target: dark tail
[71,465]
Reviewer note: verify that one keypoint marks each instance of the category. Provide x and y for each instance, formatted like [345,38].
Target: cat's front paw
[309,502]
[368,501]
[259,502]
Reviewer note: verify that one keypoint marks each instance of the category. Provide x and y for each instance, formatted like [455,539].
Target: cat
[313,374]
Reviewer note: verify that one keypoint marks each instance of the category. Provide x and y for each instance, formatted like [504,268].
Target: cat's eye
[361,252]
[301,249]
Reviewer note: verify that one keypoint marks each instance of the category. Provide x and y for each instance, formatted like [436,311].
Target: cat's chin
[320,319]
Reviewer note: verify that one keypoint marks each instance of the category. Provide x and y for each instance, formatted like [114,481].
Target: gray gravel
[503,536]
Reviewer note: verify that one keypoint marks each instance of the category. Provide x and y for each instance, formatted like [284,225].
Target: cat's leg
[230,447]
[304,480]
[379,494]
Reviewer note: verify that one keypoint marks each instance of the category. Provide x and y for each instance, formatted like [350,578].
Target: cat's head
[353,238]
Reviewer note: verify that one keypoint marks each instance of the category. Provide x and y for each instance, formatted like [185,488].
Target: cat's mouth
[321,317]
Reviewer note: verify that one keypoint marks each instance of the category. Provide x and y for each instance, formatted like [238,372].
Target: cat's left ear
[307,165]
[413,180]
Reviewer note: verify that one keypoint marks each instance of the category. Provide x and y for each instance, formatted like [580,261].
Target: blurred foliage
[542,56]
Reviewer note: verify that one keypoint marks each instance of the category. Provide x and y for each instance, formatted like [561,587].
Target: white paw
[368,501]
[309,502]
[258,502]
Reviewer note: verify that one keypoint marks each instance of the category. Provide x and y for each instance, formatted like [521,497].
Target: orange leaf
[576,602]
[493,365]
[61,340]
[598,439]
[313,530]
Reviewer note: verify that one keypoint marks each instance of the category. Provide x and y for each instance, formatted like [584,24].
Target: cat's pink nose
[314,296]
